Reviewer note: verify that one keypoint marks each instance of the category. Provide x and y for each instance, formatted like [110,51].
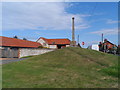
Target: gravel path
[11,60]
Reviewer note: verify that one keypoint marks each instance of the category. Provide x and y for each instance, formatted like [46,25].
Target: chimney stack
[73,43]
[73,30]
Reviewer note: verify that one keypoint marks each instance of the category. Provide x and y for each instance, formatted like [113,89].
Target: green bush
[40,47]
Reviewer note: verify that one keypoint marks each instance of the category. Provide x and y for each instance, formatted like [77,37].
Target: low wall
[32,51]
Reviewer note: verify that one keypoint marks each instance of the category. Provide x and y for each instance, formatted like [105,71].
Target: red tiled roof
[57,41]
[13,42]
[110,43]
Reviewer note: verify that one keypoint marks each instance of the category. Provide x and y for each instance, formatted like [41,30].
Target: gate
[9,53]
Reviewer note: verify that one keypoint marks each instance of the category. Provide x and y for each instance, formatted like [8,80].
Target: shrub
[40,47]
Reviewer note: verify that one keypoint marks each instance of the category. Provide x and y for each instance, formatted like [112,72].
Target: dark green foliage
[40,47]
[15,37]
[24,39]
[79,45]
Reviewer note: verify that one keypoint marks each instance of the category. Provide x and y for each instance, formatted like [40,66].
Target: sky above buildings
[53,20]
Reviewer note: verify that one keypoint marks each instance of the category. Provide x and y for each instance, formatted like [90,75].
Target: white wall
[33,51]
[42,42]
[52,46]
[67,45]
[95,47]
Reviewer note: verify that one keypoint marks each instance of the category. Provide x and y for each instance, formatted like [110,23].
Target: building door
[59,46]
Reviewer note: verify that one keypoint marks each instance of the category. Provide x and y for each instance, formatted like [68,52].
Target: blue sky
[53,20]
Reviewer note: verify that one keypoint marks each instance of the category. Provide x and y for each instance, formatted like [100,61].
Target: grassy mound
[65,68]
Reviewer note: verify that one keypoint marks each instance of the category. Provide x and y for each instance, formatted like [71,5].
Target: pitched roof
[56,41]
[13,42]
[110,43]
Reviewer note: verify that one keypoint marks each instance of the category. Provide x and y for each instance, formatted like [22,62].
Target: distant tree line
[18,38]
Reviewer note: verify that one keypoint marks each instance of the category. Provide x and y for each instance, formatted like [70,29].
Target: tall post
[73,43]
[103,43]
[78,38]
[102,37]
[73,29]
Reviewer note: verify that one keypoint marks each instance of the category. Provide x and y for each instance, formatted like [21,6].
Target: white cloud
[40,16]
[112,31]
[92,42]
[109,21]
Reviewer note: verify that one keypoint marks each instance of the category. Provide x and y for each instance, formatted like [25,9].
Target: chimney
[73,30]
[73,42]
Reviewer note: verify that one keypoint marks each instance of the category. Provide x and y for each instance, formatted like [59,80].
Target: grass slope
[65,68]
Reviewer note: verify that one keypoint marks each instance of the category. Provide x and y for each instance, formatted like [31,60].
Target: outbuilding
[54,43]
[10,47]
[107,46]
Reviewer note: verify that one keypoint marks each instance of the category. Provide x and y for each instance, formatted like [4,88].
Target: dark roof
[13,42]
[111,43]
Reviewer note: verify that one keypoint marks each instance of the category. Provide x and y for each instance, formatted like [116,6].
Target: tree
[100,46]
[79,45]
[15,37]
[24,39]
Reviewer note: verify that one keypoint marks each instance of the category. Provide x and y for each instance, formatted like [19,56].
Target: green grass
[112,71]
[65,68]
[26,56]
